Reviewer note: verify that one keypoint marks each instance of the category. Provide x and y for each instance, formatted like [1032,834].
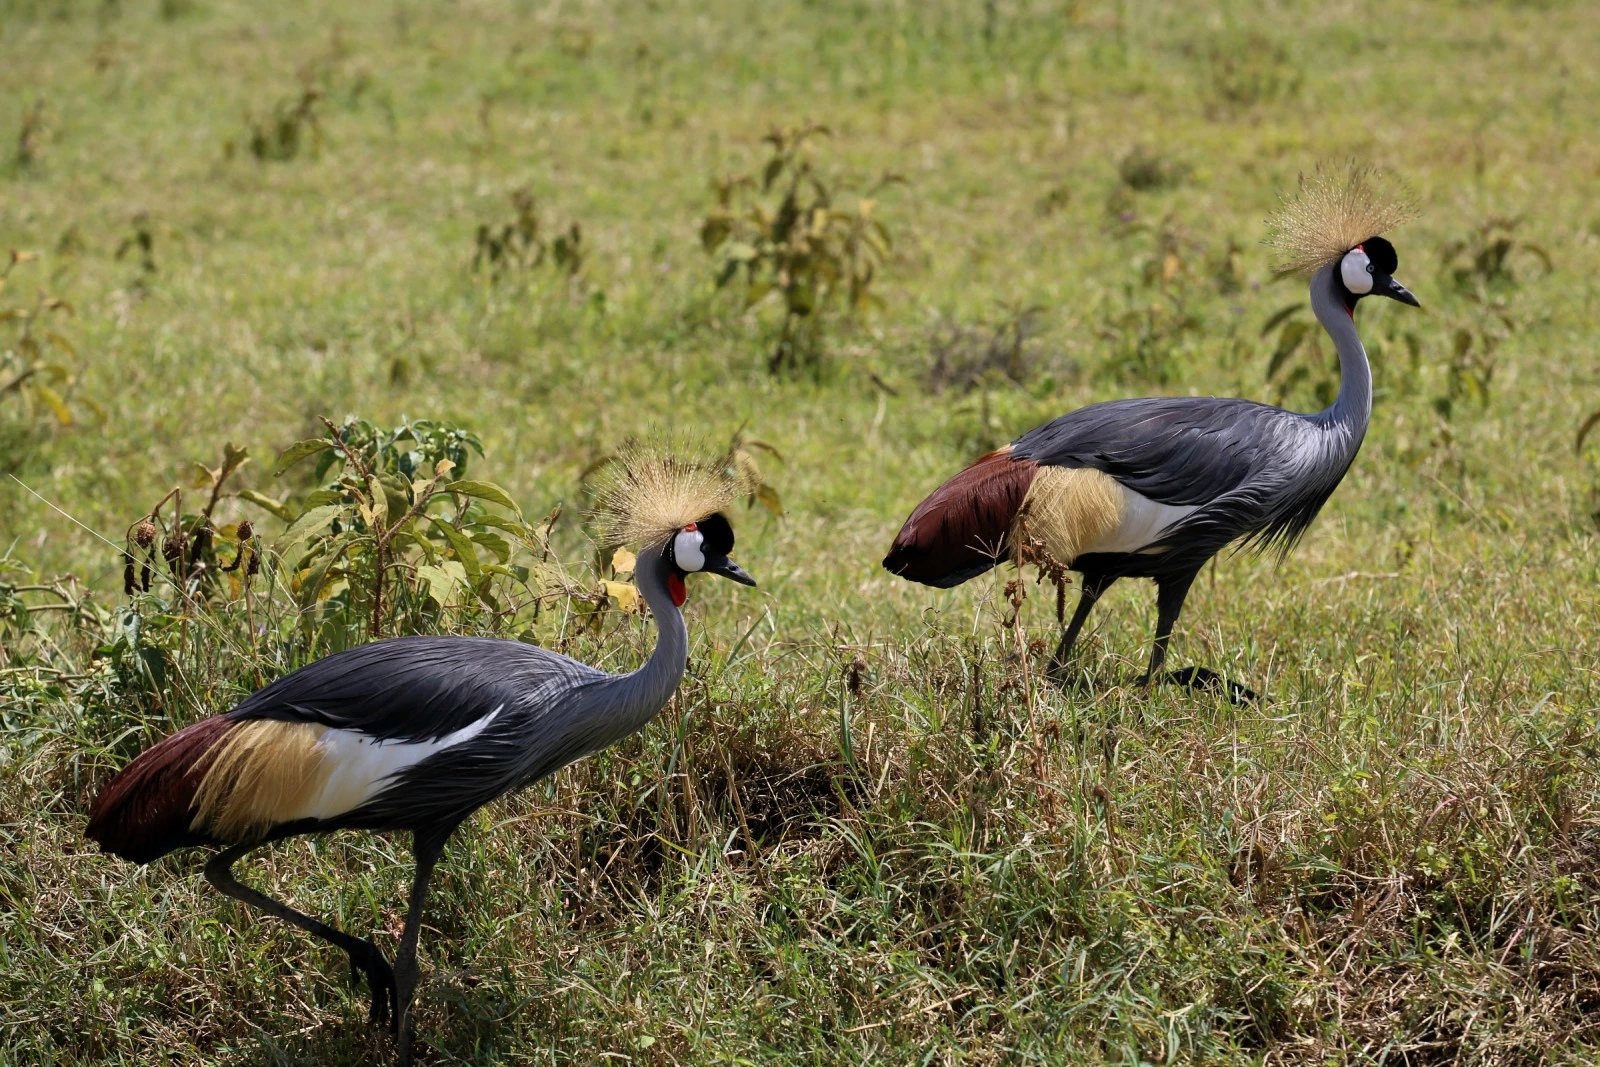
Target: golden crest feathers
[650,490]
[1333,212]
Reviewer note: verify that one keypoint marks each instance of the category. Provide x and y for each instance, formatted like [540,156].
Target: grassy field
[865,831]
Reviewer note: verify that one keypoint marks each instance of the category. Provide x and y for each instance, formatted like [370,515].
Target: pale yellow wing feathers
[266,774]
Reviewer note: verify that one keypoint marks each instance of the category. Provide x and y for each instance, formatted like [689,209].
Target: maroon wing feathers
[144,812]
[963,528]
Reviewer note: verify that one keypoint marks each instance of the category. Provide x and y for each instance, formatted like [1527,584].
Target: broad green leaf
[446,583]
[460,544]
[378,512]
[323,496]
[485,491]
[297,452]
[279,508]
[494,543]
[311,523]
[311,584]
[233,458]
[518,530]
[397,501]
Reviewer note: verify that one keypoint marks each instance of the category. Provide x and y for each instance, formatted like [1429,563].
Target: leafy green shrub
[395,533]
[967,356]
[291,125]
[1491,257]
[1148,328]
[801,247]
[519,245]
[1147,170]
[27,341]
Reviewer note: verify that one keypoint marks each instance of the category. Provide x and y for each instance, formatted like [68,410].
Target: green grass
[1392,859]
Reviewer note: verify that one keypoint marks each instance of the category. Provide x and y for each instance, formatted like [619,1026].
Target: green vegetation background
[864,832]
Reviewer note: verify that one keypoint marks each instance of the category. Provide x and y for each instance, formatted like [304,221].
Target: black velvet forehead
[1382,254]
[718,534]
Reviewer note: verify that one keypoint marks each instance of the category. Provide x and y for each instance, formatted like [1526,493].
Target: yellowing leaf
[768,497]
[54,402]
[625,594]
[623,561]
[446,583]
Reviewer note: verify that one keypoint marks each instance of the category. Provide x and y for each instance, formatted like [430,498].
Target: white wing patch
[361,767]
[1143,520]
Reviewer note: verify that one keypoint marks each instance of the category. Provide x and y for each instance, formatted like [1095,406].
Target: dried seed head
[246,531]
[144,534]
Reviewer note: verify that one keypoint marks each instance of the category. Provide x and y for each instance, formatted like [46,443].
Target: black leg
[364,955]
[1093,586]
[1171,591]
[1170,595]
[426,847]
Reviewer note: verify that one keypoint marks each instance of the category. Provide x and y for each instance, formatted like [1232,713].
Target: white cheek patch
[687,552]
[1356,272]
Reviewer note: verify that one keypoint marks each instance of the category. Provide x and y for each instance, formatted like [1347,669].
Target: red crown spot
[679,591]
[691,527]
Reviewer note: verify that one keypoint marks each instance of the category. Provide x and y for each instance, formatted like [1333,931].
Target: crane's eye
[1355,270]
[687,551]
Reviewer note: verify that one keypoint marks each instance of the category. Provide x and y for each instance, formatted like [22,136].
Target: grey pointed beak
[1395,291]
[728,569]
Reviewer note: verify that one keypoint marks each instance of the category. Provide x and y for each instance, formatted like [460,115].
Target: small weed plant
[784,233]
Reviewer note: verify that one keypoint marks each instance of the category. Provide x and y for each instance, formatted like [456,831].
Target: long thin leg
[1171,591]
[364,955]
[427,849]
[1170,595]
[1094,585]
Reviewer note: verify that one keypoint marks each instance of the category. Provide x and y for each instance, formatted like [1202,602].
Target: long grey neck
[1352,409]
[637,696]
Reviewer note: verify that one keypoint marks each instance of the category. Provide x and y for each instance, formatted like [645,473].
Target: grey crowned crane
[1154,488]
[416,733]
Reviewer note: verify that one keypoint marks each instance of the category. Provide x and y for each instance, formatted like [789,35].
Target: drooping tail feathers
[963,528]
[146,810]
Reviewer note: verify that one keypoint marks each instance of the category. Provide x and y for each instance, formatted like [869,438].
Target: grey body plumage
[1253,471]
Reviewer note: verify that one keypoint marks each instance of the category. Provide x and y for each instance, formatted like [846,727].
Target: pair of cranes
[416,733]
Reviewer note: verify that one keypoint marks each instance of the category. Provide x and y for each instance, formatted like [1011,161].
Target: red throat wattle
[679,591]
